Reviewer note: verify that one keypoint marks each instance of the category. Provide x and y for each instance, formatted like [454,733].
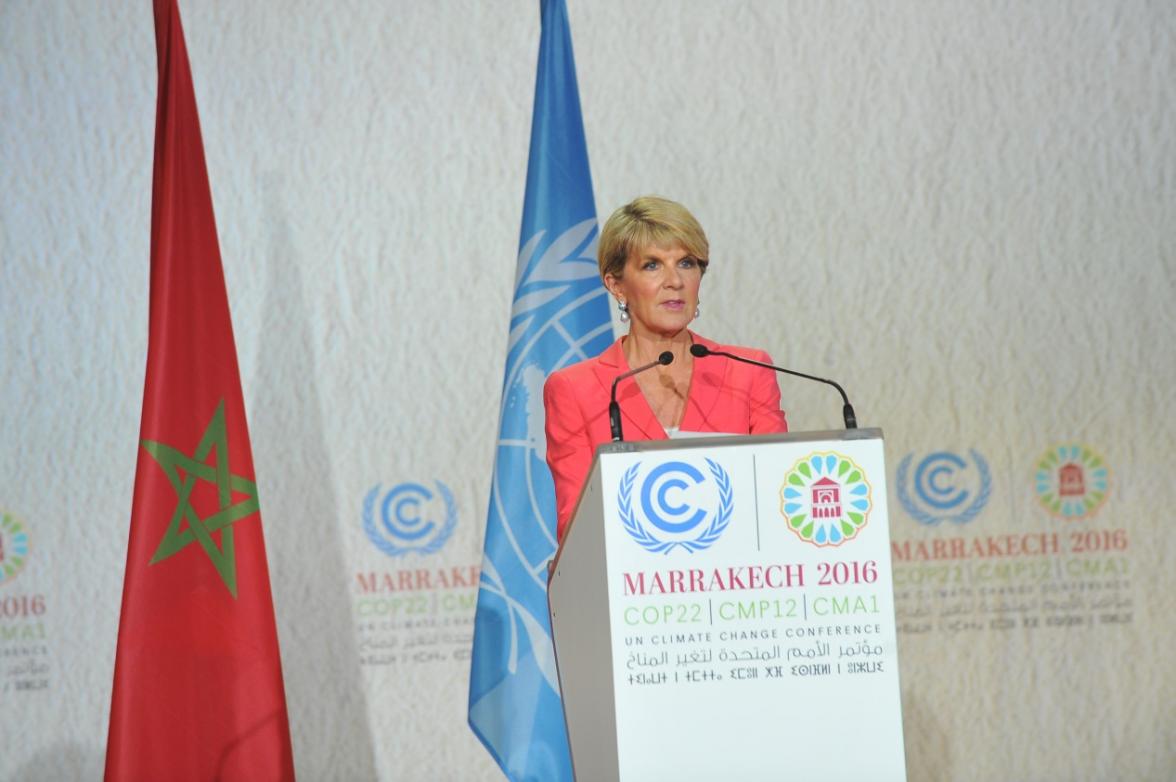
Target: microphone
[614,410]
[701,351]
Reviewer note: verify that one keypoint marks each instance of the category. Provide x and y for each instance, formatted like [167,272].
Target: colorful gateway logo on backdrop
[409,517]
[945,486]
[14,547]
[677,505]
[825,499]
[1072,481]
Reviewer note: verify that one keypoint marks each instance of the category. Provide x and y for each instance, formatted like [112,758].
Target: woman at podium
[652,255]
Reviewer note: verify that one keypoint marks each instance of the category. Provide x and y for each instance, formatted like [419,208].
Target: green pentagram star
[182,472]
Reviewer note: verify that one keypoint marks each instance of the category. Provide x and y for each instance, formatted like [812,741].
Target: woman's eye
[688,263]
[650,265]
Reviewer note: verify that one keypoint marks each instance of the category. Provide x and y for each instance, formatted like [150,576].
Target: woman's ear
[612,284]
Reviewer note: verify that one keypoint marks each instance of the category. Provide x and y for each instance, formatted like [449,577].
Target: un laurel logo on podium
[677,505]
[407,518]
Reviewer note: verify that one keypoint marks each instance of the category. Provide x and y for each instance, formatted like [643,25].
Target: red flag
[197,678]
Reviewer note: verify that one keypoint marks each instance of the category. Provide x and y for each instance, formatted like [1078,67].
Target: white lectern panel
[750,609]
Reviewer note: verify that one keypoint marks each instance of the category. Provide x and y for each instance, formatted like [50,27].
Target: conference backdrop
[965,212]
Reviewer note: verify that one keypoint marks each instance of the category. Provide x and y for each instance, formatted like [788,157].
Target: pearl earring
[624,308]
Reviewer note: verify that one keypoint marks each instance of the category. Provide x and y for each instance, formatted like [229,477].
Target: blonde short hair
[646,221]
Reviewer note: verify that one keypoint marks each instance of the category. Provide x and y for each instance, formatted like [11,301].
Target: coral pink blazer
[724,396]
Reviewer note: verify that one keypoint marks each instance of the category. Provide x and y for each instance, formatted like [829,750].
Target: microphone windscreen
[698,351]
[665,358]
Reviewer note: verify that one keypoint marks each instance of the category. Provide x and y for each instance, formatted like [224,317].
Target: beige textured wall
[964,211]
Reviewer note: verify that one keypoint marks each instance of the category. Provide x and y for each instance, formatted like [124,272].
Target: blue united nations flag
[560,316]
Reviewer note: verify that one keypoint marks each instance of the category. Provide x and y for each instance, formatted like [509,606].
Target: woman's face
[660,285]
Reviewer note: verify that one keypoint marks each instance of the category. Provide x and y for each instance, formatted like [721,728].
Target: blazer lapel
[706,388]
[636,414]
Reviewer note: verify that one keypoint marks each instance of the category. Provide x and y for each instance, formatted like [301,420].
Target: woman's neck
[643,347]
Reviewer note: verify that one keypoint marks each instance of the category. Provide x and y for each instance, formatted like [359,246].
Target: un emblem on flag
[560,316]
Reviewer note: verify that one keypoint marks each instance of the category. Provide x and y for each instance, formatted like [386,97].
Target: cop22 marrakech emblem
[14,547]
[410,517]
[1072,481]
[825,499]
[678,506]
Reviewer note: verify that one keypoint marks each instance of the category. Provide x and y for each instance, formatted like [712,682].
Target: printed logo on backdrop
[944,487]
[24,644]
[825,499]
[14,547]
[675,505]
[409,517]
[1072,481]
[413,610]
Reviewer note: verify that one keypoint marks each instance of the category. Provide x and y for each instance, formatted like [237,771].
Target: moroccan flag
[197,677]
[559,316]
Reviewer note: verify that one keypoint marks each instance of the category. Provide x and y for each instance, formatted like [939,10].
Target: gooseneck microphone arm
[614,409]
[700,351]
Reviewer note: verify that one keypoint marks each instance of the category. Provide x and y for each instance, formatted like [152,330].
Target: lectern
[723,608]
